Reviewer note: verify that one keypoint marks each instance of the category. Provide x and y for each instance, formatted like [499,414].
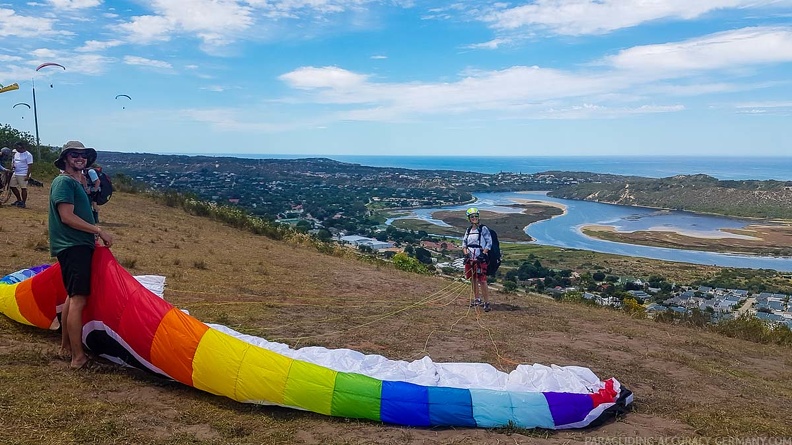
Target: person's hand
[106,238]
[481,258]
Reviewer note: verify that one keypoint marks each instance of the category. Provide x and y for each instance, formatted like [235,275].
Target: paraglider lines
[443,294]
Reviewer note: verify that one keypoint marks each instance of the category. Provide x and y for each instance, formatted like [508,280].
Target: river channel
[565,230]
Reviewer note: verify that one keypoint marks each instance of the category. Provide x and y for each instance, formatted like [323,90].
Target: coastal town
[679,301]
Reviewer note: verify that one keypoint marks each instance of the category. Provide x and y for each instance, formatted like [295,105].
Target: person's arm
[67,216]
[486,239]
[465,244]
[30,170]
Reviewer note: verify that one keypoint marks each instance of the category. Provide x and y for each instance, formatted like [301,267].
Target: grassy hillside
[687,382]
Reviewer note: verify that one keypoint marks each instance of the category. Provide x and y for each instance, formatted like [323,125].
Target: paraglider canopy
[49,64]
[21,103]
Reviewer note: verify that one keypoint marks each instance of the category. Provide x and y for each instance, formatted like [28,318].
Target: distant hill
[697,193]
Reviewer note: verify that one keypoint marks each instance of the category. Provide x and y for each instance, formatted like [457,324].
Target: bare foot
[79,364]
[64,354]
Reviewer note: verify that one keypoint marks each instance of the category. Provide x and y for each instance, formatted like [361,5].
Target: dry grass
[687,382]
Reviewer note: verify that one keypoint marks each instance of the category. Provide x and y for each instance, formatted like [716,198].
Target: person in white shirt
[22,163]
[476,246]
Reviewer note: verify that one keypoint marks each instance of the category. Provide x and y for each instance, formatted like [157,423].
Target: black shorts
[75,263]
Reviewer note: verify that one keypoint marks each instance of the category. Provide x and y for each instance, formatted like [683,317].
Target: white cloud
[92,64]
[492,44]
[779,104]
[295,8]
[579,17]
[726,50]
[43,53]
[74,4]
[775,108]
[213,21]
[587,111]
[214,88]
[15,25]
[379,57]
[619,85]
[95,45]
[148,29]
[142,61]
[326,77]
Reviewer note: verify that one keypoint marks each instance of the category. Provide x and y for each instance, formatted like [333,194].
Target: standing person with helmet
[476,246]
[5,158]
[73,234]
[23,161]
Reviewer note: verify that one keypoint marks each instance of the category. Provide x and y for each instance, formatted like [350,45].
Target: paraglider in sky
[44,65]
[22,104]
[131,326]
[123,95]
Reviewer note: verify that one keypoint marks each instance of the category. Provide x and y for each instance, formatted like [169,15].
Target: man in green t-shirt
[72,237]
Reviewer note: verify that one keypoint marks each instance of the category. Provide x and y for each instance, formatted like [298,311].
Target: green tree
[405,263]
[303,226]
[324,235]
[10,135]
[423,255]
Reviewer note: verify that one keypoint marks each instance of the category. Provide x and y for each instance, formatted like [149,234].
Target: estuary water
[565,230]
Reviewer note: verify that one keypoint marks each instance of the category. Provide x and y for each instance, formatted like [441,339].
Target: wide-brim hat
[75,146]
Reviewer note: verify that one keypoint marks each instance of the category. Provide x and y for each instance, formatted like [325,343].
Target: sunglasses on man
[78,154]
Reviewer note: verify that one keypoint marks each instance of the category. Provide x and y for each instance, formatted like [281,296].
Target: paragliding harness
[101,196]
[494,254]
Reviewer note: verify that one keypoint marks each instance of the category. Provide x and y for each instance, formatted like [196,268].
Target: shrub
[632,307]
[748,327]
[407,264]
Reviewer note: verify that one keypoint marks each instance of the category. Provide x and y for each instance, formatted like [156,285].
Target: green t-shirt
[66,190]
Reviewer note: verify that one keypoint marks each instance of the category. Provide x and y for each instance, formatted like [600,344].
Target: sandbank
[543,203]
[689,233]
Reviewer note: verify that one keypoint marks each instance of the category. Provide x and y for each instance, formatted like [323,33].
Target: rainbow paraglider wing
[12,87]
[134,327]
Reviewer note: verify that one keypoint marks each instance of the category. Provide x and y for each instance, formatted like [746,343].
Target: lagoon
[565,230]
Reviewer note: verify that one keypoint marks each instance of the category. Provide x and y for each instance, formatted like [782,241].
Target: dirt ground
[688,383]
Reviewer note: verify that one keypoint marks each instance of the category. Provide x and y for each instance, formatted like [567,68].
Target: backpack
[106,188]
[494,255]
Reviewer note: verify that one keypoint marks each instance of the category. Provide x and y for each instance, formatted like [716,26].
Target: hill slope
[687,382]
[696,193]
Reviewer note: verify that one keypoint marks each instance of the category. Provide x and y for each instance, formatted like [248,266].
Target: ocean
[725,168]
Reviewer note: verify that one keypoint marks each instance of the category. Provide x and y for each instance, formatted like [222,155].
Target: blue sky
[323,77]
